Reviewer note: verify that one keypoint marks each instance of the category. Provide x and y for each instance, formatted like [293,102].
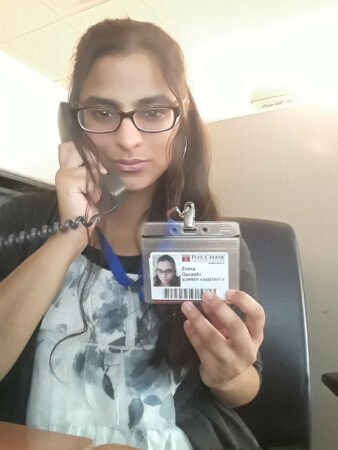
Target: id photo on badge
[165,271]
[180,276]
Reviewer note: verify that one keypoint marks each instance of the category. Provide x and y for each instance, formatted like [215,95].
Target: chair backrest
[280,414]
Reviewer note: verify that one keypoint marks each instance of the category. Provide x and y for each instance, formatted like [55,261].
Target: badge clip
[188,216]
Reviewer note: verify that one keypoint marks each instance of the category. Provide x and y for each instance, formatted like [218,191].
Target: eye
[104,113]
[154,114]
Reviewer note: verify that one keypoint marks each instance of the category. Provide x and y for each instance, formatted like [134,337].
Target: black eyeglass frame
[165,271]
[128,114]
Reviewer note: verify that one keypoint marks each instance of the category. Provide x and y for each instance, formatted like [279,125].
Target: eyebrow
[159,100]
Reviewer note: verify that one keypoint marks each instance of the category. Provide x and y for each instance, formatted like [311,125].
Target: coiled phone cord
[109,182]
[45,231]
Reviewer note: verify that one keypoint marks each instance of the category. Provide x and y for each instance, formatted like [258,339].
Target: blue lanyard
[116,267]
[114,263]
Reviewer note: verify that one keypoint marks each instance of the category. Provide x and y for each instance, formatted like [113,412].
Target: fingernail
[104,170]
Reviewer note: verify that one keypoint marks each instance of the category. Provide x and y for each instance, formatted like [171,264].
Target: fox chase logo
[185,258]
[207,258]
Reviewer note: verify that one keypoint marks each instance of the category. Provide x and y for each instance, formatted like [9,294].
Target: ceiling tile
[68,7]
[135,9]
[28,61]
[191,20]
[21,16]
[51,46]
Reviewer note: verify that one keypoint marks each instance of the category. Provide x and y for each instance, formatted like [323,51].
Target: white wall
[28,121]
[283,165]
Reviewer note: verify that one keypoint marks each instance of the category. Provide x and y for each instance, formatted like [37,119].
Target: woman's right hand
[74,187]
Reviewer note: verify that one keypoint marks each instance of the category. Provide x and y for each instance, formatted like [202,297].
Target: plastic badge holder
[180,264]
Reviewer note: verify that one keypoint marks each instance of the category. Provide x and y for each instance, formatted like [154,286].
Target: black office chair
[280,415]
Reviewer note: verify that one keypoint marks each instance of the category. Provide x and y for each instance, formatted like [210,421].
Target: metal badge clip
[188,216]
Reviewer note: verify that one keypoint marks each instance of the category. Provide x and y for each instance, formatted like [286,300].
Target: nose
[127,135]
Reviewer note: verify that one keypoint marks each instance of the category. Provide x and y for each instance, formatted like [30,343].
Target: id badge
[181,263]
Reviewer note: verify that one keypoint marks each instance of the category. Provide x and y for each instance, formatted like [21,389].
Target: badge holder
[182,260]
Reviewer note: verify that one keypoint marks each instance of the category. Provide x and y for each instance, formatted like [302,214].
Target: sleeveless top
[98,383]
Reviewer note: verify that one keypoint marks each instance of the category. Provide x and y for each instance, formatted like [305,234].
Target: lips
[130,164]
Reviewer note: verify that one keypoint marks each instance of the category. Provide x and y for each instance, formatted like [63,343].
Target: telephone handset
[110,183]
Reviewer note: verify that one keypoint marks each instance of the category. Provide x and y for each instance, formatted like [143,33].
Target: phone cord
[45,231]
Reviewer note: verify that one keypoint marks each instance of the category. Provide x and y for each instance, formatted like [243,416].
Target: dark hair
[186,179]
[167,258]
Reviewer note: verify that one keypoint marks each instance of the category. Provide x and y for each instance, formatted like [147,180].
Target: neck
[133,208]
[121,227]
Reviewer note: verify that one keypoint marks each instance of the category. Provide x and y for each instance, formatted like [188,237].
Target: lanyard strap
[114,263]
[116,267]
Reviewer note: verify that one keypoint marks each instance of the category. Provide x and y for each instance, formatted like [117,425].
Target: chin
[134,184]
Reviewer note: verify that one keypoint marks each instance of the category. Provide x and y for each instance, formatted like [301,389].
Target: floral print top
[98,383]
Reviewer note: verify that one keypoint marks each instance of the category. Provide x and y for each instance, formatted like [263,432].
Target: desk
[21,437]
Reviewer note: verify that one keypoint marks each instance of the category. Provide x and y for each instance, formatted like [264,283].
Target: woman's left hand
[226,346]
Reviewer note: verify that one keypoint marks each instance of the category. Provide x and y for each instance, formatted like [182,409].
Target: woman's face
[165,272]
[128,82]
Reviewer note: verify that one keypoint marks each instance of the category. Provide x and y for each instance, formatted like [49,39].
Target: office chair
[280,415]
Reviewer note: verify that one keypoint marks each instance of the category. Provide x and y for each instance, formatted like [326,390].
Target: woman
[166,272]
[83,354]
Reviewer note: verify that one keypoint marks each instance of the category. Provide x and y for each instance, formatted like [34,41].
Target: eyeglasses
[166,271]
[106,120]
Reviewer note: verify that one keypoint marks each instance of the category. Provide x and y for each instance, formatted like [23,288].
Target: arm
[240,390]
[27,292]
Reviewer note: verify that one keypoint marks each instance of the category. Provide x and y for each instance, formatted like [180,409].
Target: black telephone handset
[114,192]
